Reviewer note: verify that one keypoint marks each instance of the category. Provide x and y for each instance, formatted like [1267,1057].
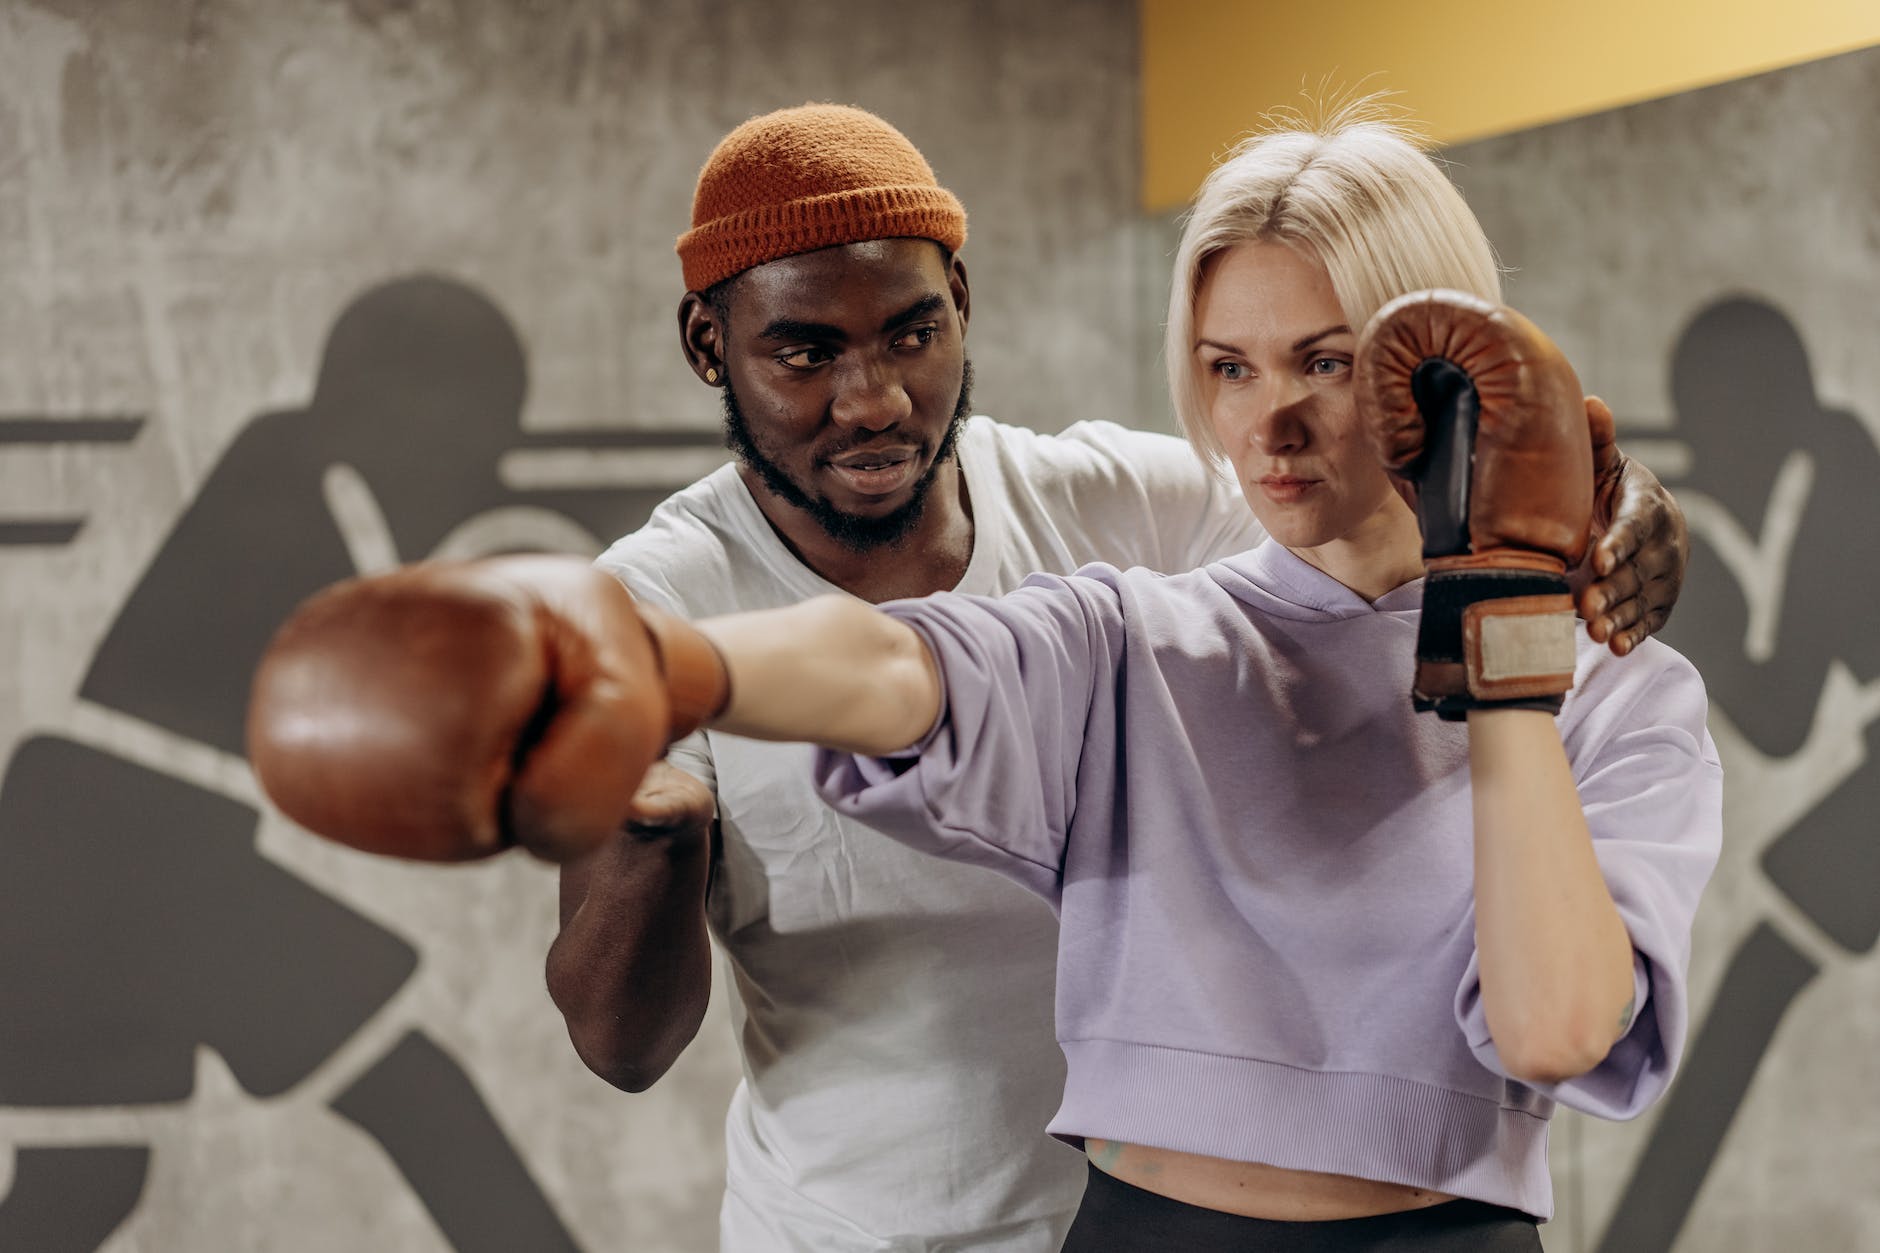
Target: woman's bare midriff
[1253,1189]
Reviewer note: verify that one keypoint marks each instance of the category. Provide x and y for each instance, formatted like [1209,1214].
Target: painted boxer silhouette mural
[154,926]
[152,923]
[1779,612]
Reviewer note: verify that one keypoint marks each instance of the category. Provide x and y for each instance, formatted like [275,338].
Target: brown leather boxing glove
[1473,408]
[447,710]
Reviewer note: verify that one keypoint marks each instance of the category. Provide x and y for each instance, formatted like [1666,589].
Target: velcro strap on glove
[1494,639]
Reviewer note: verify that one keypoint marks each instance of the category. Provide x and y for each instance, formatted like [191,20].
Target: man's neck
[932,557]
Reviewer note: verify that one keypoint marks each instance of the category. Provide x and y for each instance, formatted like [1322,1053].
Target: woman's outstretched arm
[831,671]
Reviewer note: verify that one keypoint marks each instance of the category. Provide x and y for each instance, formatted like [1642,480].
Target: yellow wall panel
[1465,69]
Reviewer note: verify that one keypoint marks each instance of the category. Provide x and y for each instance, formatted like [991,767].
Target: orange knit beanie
[806,178]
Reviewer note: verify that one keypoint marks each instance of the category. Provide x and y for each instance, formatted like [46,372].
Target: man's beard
[856,533]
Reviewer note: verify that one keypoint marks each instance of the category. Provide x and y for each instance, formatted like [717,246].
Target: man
[894,1012]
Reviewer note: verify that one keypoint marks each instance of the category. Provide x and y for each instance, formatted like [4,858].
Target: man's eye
[1328,365]
[919,337]
[804,358]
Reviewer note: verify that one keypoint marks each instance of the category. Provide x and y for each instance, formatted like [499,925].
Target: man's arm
[630,969]
[1625,588]
[450,710]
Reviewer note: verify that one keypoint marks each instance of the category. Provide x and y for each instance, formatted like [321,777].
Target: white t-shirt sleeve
[1164,507]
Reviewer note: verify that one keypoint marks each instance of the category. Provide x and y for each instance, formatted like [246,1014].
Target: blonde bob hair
[1357,192]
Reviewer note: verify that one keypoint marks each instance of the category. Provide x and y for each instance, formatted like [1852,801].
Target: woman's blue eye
[1230,370]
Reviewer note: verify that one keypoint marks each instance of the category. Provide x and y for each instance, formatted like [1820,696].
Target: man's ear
[701,338]
[962,298]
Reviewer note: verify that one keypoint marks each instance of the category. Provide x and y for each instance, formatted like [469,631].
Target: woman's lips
[1285,489]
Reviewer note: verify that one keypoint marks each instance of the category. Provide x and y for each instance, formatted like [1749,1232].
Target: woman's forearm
[831,671]
[1555,957]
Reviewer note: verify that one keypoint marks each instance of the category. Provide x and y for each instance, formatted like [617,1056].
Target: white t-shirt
[894,1010]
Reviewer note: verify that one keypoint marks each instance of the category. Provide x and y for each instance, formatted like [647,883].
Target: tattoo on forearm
[1625,1015]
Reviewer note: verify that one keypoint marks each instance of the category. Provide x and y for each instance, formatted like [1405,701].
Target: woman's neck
[1381,554]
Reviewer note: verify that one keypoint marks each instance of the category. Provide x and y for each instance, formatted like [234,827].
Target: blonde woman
[1326,962]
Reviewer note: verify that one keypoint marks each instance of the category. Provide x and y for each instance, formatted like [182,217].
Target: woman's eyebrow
[1327,333]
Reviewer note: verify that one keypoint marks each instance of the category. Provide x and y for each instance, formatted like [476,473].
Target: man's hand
[1627,584]
[670,804]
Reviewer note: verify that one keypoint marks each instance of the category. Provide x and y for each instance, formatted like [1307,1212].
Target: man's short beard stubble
[856,533]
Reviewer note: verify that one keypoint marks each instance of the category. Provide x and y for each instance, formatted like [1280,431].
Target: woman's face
[1274,351]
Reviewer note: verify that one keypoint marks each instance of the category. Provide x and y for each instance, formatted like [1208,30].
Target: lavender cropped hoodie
[1261,861]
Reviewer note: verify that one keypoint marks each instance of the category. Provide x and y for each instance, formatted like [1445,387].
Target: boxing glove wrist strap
[1493,639]
[697,682]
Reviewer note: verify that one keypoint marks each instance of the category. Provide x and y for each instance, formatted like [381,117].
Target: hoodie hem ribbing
[1349,1123]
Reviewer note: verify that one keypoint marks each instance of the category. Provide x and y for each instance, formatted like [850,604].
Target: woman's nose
[1279,425]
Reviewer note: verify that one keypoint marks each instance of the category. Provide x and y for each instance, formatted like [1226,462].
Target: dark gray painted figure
[139,917]
[1765,618]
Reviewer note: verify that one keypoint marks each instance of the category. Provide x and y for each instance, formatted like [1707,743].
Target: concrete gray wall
[219,223]
[292,290]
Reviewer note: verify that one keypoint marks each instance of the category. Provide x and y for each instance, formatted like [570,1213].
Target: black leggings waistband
[1118,1217]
